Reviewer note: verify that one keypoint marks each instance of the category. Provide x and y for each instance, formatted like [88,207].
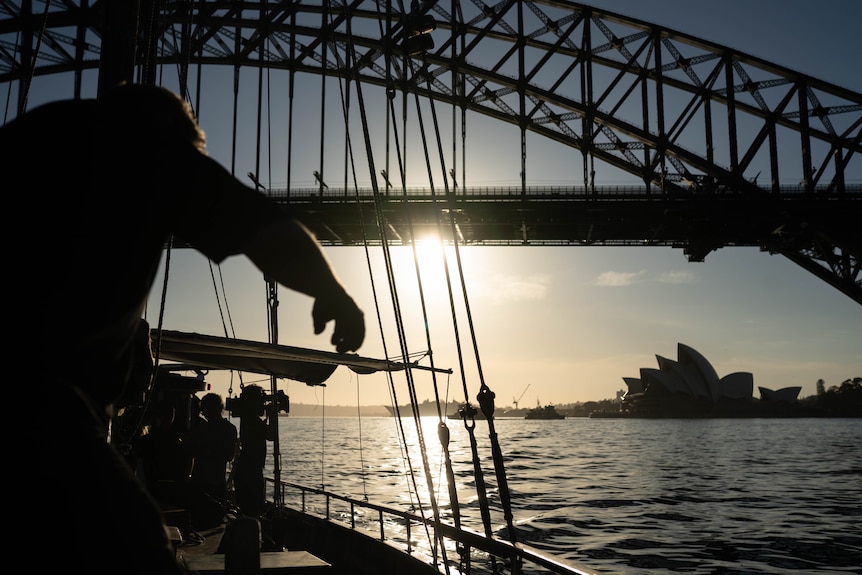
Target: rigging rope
[32,72]
[157,345]
[396,305]
[365,239]
[362,472]
[374,291]
[443,431]
[324,54]
[485,396]
[457,89]
[218,287]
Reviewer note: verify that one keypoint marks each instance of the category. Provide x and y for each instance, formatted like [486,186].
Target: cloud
[617,279]
[508,288]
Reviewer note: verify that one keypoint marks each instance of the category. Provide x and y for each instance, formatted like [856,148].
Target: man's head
[252,401]
[153,112]
[212,406]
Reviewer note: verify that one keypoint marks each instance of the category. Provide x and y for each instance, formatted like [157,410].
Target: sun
[425,254]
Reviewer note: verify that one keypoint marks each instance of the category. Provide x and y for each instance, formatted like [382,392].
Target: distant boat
[480,415]
[451,410]
[456,414]
[546,412]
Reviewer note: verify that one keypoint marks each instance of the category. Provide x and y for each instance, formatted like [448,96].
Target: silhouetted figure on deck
[255,429]
[103,186]
[214,444]
[165,457]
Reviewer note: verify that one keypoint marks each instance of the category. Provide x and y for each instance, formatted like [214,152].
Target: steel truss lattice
[682,115]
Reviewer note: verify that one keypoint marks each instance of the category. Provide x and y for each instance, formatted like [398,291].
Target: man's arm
[279,245]
[285,251]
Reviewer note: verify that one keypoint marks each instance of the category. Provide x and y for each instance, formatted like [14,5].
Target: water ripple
[632,497]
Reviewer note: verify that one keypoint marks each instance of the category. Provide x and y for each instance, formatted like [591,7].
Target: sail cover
[309,366]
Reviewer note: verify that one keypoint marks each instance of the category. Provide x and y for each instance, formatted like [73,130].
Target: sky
[566,324]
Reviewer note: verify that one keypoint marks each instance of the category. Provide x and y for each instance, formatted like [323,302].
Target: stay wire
[272,286]
[32,72]
[290,99]
[157,345]
[374,291]
[348,162]
[379,216]
[477,469]
[398,316]
[443,431]
[366,244]
[395,298]
[478,473]
[219,289]
[456,19]
[362,473]
[485,396]
[442,427]
[235,101]
[319,175]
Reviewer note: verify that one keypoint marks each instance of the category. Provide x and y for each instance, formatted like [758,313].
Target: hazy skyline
[571,322]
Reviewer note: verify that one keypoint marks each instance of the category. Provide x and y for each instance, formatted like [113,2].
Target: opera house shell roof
[691,386]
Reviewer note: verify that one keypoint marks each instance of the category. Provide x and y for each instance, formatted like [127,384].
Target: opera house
[690,387]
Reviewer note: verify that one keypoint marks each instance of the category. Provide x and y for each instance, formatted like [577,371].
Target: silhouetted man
[100,186]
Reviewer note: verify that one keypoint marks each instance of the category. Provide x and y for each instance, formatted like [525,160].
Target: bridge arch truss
[683,116]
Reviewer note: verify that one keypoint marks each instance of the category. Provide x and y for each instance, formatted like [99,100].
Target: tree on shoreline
[844,400]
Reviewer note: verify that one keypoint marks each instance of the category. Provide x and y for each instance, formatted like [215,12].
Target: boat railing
[395,526]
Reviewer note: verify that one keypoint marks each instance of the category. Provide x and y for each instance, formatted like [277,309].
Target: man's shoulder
[227,426]
[56,112]
[45,121]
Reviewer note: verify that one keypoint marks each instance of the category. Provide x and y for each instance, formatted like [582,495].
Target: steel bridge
[710,136]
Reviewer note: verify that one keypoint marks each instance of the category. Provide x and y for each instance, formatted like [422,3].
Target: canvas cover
[309,366]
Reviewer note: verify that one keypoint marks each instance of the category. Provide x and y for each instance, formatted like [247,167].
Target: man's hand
[349,320]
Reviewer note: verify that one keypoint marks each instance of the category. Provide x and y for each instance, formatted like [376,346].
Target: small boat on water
[544,412]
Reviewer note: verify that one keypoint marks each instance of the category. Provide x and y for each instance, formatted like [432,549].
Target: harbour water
[623,496]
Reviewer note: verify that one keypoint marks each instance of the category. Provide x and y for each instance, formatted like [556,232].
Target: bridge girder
[682,115]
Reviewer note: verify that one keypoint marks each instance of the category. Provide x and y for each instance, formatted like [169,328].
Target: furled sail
[309,366]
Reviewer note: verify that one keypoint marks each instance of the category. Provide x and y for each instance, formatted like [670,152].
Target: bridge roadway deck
[698,221]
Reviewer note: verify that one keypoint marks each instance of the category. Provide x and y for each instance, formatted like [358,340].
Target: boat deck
[203,557]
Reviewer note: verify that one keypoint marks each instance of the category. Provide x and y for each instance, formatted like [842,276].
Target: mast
[272,308]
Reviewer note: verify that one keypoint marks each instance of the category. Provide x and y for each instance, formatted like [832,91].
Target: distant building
[786,394]
[690,387]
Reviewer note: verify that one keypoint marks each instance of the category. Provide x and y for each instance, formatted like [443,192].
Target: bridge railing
[546,193]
